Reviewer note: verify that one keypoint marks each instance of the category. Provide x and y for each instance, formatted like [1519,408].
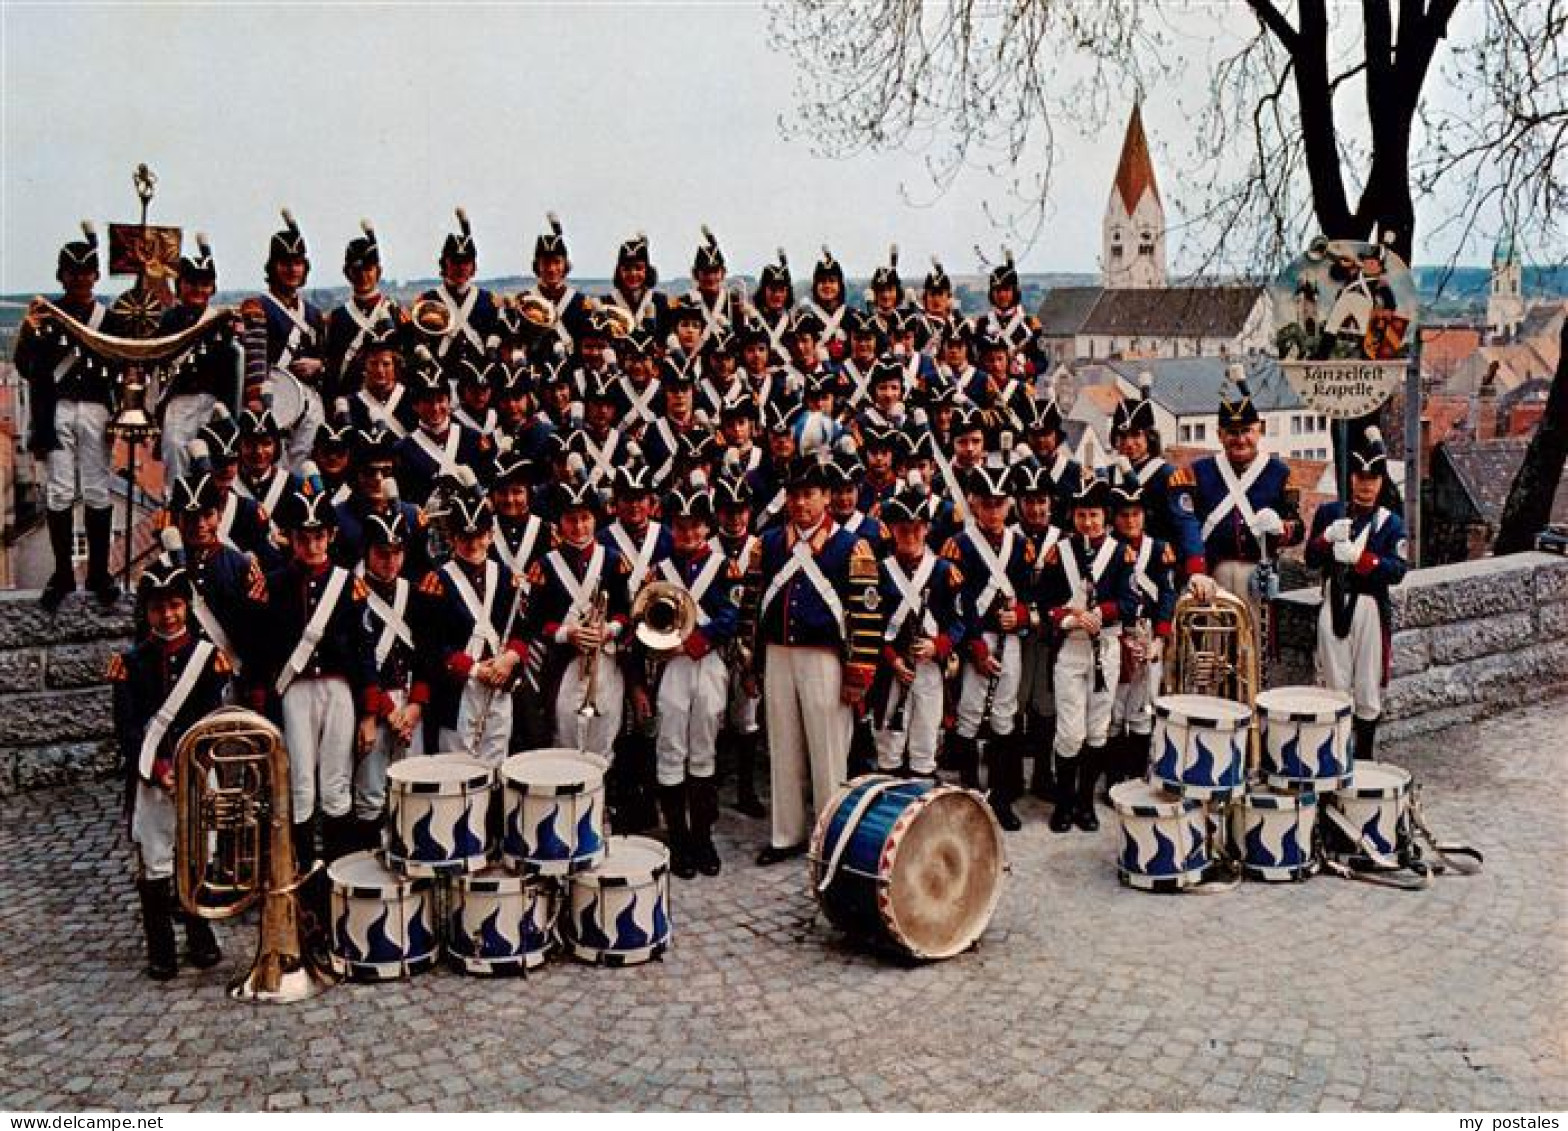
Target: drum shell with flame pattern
[1164,837]
[438,814]
[383,923]
[1273,830]
[554,822]
[1199,748]
[1305,735]
[501,922]
[619,913]
[1377,805]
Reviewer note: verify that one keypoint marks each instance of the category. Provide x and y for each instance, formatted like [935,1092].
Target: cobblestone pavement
[1083,995]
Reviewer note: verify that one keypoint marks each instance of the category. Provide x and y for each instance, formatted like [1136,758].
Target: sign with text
[1344,322]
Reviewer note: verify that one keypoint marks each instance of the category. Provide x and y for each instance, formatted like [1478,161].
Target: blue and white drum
[908,866]
[1372,812]
[383,923]
[1306,738]
[554,811]
[438,812]
[501,922]
[1200,745]
[1273,832]
[1165,843]
[619,913]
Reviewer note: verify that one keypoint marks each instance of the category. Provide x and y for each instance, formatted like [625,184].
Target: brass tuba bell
[664,615]
[536,310]
[233,845]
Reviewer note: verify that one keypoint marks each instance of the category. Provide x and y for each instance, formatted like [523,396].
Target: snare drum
[554,811]
[1375,806]
[1306,738]
[438,809]
[1165,844]
[909,866]
[1200,744]
[1273,830]
[500,922]
[383,924]
[287,398]
[618,914]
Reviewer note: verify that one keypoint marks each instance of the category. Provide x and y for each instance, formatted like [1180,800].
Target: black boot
[157,898]
[965,757]
[367,832]
[1090,759]
[1005,770]
[1042,738]
[1135,764]
[747,747]
[1364,733]
[304,844]
[702,798]
[638,811]
[672,800]
[201,945]
[338,836]
[62,541]
[100,527]
[1062,793]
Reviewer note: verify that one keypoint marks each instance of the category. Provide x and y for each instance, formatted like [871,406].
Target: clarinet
[1094,641]
[996,678]
[916,633]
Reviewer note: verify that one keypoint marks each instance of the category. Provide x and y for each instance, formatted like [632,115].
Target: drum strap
[379,313]
[850,825]
[996,565]
[909,589]
[481,611]
[393,626]
[1410,870]
[159,726]
[300,333]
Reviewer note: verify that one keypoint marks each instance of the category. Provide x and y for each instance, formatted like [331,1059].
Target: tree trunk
[1529,506]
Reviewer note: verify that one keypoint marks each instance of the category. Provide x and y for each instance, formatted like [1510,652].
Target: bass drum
[909,866]
[287,396]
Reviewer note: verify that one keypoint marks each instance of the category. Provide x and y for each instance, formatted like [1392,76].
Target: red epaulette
[117,672]
[430,585]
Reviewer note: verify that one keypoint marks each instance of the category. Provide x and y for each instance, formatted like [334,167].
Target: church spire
[1135,170]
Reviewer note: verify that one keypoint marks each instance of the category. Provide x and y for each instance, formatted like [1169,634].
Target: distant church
[1505,300]
[1135,313]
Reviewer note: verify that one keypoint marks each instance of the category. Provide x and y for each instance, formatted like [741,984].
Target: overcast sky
[617,117]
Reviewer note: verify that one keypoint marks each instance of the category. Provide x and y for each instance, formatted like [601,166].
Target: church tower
[1505,302]
[1133,252]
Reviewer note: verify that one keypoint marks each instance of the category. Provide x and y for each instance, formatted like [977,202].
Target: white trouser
[1083,715]
[183,417]
[1004,706]
[598,734]
[152,831]
[1354,664]
[741,712]
[302,437]
[922,722]
[1035,694]
[318,725]
[1236,578]
[80,429]
[691,707]
[809,730]
[495,708]
[1133,710]
[370,775]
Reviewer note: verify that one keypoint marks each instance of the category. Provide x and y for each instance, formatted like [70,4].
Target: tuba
[231,794]
[536,310]
[664,615]
[1215,652]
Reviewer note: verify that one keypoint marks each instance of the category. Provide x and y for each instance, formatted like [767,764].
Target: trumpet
[588,663]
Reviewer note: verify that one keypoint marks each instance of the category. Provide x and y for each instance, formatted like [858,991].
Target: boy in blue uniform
[1360,547]
[915,583]
[1169,507]
[473,315]
[693,681]
[1086,592]
[296,333]
[1154,594]
[996,563]
[162,686]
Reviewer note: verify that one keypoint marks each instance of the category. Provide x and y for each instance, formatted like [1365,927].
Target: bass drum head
[439,770]
[554,770]
[1310,703]
[288,397]
[946,874]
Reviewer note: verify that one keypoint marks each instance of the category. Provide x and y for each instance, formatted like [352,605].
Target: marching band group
[438,541]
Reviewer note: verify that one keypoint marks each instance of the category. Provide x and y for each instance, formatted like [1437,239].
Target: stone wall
[56,723]
[1470,640]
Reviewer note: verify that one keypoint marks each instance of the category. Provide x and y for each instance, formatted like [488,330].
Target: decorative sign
[1344,321]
